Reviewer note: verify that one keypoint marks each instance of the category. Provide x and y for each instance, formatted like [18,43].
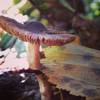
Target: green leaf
[7,41]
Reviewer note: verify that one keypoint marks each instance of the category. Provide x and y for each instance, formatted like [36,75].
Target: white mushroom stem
[34,56]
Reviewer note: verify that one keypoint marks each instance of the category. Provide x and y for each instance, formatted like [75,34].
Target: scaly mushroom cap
[22,32]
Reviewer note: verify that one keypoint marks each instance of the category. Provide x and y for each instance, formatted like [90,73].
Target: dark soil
[21,85]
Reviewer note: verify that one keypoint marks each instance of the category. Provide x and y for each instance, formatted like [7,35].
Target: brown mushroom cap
[21,31]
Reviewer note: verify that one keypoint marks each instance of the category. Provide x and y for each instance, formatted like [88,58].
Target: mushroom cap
[26,33]
[35,26]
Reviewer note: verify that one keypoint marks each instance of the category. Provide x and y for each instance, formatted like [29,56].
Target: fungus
[36,35]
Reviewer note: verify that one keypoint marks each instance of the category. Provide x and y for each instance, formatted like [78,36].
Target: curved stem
[45,88]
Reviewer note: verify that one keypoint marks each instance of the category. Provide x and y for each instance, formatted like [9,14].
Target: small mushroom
[36,35]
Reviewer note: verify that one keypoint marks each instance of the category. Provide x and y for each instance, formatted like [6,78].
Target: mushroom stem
[45,88]
[34,56]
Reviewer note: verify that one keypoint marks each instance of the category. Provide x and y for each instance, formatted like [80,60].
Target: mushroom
[36,35]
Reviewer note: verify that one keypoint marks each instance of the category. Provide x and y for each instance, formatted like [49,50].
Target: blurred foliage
[7,41]
[16,1]
[35,14]
[66,5]
[93,8]
[20,47]
[24,9]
